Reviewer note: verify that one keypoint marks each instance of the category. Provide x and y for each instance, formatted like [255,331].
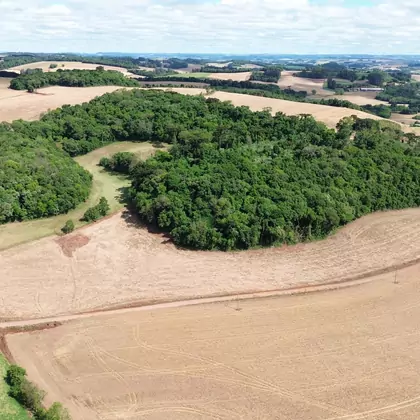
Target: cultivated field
[105,184]
[16,104]
[237,77]
[300,83]
[360,98]
[350,354]
[114,263]
[66,65]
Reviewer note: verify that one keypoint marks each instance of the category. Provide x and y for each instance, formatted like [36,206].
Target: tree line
[31,397]
[72,78]
[269,75]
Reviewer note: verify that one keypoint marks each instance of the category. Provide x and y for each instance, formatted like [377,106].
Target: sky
[212,26]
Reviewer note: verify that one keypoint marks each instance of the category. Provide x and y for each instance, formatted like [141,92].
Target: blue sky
[220,26]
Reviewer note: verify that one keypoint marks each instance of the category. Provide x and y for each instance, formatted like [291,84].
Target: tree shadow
[123,196]
[131,218]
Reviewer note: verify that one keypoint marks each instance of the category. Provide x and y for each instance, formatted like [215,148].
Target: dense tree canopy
[37,179]
[80,78]
[234,178]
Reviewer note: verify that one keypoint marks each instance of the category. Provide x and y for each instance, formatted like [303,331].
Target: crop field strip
[350,354]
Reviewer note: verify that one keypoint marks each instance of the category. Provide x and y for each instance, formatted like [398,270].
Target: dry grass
[104,184]
[237,77]
[123,264]
[351,354]
[66,65]
[300,83]
[360,98]
[16,104]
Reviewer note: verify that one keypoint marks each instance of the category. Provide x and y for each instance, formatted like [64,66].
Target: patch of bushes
[119,162]
[68,227]
[31,397]
[95,213]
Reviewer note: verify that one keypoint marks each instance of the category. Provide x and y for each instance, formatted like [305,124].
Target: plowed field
[115,263]
[350,354]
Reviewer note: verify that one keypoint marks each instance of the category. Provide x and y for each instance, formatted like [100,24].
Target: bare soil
[350,354]
[124,264]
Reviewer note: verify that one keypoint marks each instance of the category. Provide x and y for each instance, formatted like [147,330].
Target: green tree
[68,227]
[377,78]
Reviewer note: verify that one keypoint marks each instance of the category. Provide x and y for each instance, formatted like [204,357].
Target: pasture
[104,184]
[349,354]
[117,263]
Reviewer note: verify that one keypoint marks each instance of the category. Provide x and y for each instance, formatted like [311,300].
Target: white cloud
[230,26]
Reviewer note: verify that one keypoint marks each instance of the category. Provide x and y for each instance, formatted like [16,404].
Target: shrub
[94,213]
[53,66]
[68,227]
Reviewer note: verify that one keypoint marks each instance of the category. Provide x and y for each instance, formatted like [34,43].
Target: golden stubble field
[116,263]
[66,65]
[16,104]
[349,354]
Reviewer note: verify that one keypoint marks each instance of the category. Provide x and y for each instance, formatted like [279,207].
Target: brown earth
[350,354]
[122,264]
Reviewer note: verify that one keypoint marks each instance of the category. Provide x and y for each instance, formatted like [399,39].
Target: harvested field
[105,184]
[350,354]
[29,106]
[300,83]
[66,65]
[416,77]
[359,98]
[123,264]
[237,77]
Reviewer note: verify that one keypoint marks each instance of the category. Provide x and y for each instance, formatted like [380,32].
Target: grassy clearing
[105,184]
[9,408]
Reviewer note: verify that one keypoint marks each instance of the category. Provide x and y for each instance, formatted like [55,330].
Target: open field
[195,75]
[66,65]
[300,83]
[104,184]
[114,263]
[29,106]
[237,77]
[350,354]
[9,408]
[416,77]
[359,98]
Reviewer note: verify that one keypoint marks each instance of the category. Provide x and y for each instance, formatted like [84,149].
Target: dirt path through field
[347,354]
[116,263]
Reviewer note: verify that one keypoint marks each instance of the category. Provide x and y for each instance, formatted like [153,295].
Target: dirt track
[115,263]
[351,354]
